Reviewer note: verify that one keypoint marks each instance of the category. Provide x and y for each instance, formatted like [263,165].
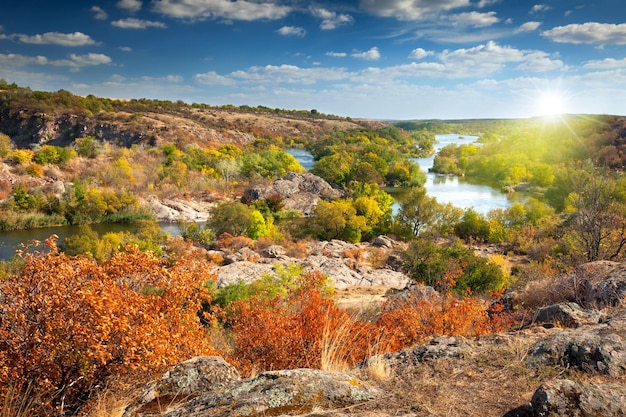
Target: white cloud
[528,27]
[132,23]
[540,62]
[337,54]
[538,8]
[274,75]
[117,78]
[213,78]
[99,13]
[474,19]
[56,38]
[292,31]
[235,10]
[330,20]
[79,61]
[608,63]
[372,55]
[484,3]
[592,32]
[168,79]
[130,5]
[410,9]
[126,48]
[420,53]
[74,62]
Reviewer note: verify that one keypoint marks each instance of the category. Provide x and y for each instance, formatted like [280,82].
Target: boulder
[564,397]
[201,375]
[592,348]
[567,315]
[289,392]
[604,283]
[298,191]
[273,251]
[439,347]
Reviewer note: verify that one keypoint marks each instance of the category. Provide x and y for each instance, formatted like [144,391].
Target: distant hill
[58,118]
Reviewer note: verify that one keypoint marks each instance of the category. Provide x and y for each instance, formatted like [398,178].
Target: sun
[550,103]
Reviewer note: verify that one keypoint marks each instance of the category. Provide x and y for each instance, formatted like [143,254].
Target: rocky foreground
[571,361]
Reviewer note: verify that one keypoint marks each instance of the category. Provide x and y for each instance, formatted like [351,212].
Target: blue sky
[383,59]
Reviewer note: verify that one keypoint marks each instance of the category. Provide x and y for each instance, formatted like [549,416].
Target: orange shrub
[289,333]
[69,323]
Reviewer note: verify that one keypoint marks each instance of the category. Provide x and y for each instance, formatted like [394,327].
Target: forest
[109,310]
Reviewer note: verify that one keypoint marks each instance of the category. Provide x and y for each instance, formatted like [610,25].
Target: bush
[69,324]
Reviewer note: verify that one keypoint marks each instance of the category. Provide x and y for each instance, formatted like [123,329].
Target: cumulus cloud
[484,3]
[592,32]
[99,13]
[292,31]
[372,55]
[608,63]
[75,62]
[337,54]
[125,48]
[272,75]
[420,53]
[56,38]
[475,19]
[235,10]
[540,62]
[528,27]
[330,20]
[132,23]
[538,8]
[410,9]
[130,5]
[489,58]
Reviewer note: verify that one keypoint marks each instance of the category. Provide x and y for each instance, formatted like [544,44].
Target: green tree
[338,219]
[418,211]
[232,217]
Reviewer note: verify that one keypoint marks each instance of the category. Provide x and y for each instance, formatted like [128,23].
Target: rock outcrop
[567,315]
[203,375]
[174,210]
[209,387]
[563,397]
[330,258]
[298,192]
[592,348]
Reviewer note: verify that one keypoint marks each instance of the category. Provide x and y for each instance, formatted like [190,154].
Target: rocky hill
[58,118]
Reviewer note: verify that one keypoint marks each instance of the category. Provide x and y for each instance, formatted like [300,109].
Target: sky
[377,59]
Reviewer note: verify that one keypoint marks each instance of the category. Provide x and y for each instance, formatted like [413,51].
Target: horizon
[366,59]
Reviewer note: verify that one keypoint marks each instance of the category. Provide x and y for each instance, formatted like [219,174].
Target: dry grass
[19,402]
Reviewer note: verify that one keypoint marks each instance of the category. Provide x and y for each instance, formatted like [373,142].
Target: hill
[57,118]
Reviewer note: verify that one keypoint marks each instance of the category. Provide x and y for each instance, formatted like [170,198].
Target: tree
[338,219]
[418,211]
[237,219]
[599,222]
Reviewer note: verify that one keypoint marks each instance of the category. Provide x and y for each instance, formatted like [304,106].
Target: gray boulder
[289,392]
[604,283]
[567,315]
[298,191]
[592,348]
[201,375]
[568,398]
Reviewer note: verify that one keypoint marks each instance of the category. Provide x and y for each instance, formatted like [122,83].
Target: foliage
[338,219]
[69,324]
[236,218]
[287,332]
[427,263]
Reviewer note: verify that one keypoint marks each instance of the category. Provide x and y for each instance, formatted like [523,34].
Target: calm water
[455,190]
[12,240]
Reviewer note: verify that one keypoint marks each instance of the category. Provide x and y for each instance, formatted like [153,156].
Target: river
[456,190]
[446,188]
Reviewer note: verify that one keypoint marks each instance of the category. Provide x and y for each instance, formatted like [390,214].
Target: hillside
[57,118]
